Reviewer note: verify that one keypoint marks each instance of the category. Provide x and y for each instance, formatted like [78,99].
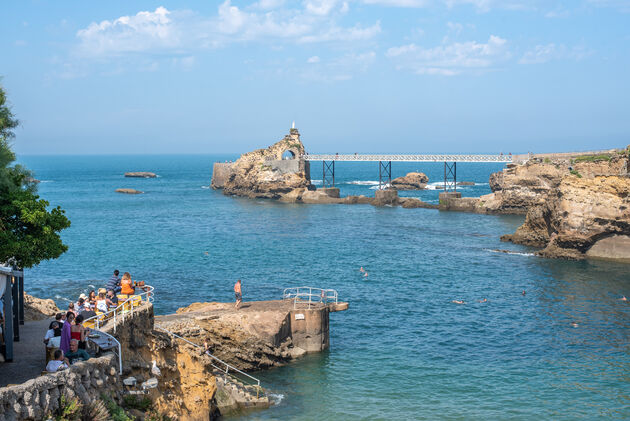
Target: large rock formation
[412,181]
[39,308]
[520,187]
[141,174]
[264,173]
[584,217]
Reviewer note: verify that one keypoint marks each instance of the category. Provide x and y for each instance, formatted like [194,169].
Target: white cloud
[182,32]
[314,59]
[338,69]
[545,53]
[451,59]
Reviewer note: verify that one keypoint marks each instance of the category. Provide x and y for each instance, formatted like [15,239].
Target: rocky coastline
[576,204]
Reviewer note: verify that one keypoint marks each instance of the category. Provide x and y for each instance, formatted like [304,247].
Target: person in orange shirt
[238,294]
[126,284]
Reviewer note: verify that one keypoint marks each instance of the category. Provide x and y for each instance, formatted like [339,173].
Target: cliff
[520,187]
[583,217]
[264,173]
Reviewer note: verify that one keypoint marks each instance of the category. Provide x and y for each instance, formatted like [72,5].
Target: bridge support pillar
[450,176]
[384,173]
[328,174]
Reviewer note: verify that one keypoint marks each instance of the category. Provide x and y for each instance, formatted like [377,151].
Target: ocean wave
[363,183]
[59,297]
[46,181]
[205,187]
[376,187]
[515,253]
[276,398]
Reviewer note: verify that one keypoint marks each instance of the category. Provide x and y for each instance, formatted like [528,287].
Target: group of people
[66,341]
[66,338]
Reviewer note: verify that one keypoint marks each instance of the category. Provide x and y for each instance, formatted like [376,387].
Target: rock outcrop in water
[411,181]
[129,191]
[38,308]
[583,217]
[264,173]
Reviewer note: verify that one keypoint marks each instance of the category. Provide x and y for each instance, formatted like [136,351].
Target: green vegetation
[593,158]
[547,161]
[264,167]
[576,173]
[69,409]
[131,401]
[29,232]
[115,411]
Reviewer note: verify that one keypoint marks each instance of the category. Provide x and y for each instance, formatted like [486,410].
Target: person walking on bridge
[237,294]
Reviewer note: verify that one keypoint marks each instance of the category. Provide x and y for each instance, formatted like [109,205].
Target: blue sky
[356,76]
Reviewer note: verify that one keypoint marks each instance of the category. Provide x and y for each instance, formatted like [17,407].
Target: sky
[390,76]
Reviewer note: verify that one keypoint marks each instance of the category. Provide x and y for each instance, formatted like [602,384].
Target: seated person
[101,301]
[114,282]
[92,300]
[59,363]
[52,338]
[81,305]
[126,284]
[59,318]
[75,353]
[112,300]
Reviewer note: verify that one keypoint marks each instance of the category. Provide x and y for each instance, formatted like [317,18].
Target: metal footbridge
[385,164]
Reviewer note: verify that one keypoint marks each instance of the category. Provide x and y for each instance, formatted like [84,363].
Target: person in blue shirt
[114,282]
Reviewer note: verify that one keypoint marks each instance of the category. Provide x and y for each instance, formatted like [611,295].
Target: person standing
[238,294]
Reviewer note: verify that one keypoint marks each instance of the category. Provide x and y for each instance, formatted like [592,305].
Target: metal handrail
[120,370]
[310,296]
[228,367]
[408,158]
[122,309]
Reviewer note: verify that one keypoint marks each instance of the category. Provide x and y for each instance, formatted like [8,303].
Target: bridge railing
[408,157]
[221,365]
[126,307]
[307,297]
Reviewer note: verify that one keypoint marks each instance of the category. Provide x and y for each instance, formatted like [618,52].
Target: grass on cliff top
[593,158]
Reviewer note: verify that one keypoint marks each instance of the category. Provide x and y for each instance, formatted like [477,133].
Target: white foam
[376,187]
[515,253]
[45,181]
[205,187]
[276,398]
[363,182]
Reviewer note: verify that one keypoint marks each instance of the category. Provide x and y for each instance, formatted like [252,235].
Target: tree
[29,232]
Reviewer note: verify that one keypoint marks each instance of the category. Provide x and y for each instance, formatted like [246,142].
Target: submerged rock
[412,181]
[141,174]
[129,191]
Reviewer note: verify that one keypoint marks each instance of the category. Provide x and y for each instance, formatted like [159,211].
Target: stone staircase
[235,396]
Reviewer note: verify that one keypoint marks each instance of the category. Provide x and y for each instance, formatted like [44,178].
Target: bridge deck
[408,158]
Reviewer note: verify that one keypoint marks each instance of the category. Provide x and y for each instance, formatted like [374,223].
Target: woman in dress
[66,335]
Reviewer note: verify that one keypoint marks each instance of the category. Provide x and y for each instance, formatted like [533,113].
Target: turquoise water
[402,350]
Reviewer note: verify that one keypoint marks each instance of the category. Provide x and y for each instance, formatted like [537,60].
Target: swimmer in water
[206,253]
[623,298]
[458,301]
[366,274]
[484,300]
[523,292]
[574,324]
[361,269]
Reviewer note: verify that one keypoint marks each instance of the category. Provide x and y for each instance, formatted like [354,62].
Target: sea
[551,341]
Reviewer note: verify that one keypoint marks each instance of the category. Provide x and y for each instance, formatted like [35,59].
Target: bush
[116,412]
[576,173]
[69,409]
[593,158]
[132,402]
[547,161]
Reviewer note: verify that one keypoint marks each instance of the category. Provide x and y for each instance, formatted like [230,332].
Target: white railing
[407,158]
[226,368]
[126,307]
[309,296]
[102,345]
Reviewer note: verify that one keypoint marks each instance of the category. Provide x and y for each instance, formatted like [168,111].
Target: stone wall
[85,380]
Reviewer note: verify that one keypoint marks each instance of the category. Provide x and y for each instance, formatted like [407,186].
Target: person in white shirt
[59,363]
[50,339]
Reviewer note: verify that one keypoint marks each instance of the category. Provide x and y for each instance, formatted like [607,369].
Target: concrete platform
[29,354]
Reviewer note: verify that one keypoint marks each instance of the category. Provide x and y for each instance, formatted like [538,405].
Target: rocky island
[576,204]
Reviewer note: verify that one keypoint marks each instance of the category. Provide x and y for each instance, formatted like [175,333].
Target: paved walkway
[29,355]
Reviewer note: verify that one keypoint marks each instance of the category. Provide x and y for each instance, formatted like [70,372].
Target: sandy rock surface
[39,308]
[411,181]
[129,191]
